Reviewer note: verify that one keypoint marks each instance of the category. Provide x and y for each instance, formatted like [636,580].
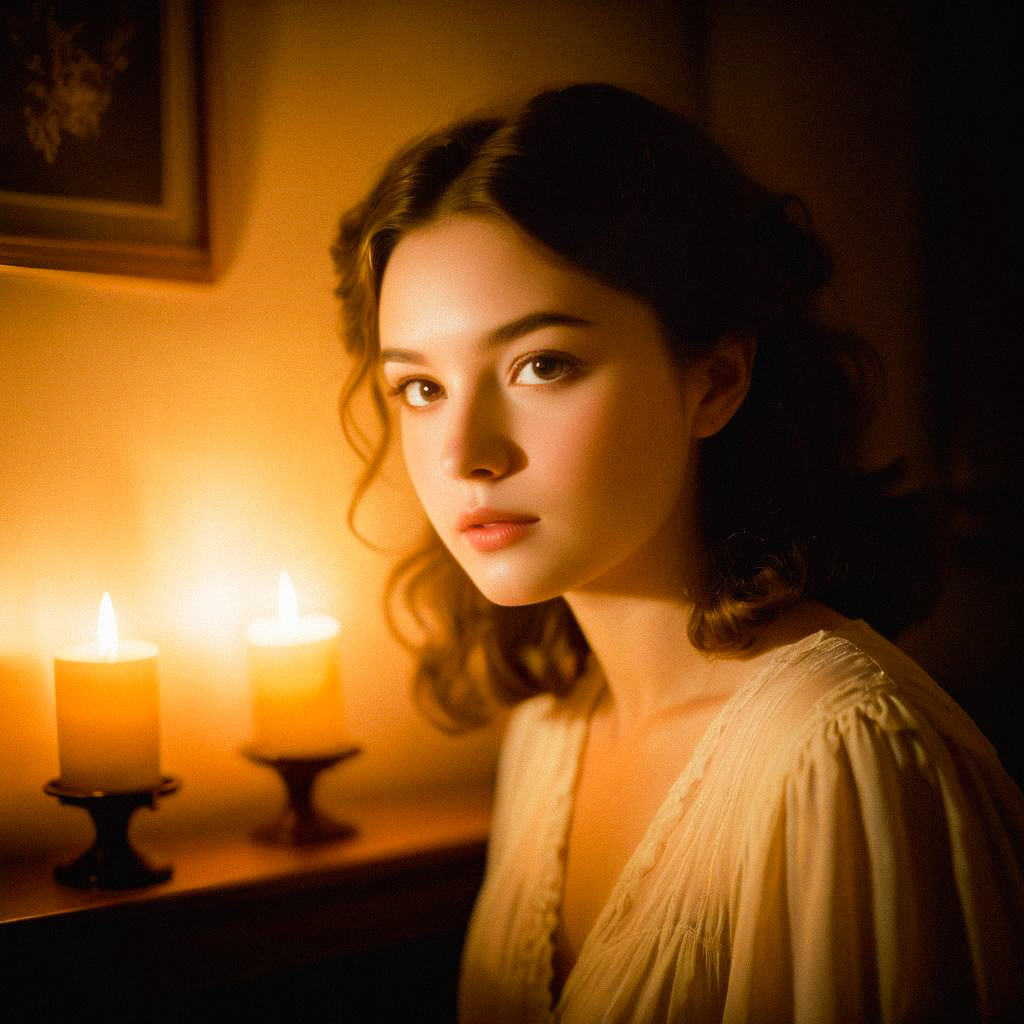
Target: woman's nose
[478,443]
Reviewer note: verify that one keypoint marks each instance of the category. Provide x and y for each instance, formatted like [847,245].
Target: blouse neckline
[646,854]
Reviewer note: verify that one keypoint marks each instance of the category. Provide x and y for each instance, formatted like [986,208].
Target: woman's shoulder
[883,813]
[853,671]
[540,731]
[848,694]
[873,749]
[538,757]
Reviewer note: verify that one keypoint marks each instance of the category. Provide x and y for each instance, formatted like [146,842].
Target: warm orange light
[287,604]
[108,709]
[296,683]
[106,630]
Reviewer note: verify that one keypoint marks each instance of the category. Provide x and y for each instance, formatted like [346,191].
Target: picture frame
[104,138]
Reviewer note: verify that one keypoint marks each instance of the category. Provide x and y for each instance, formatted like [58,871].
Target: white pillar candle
[108,712]
[295,680]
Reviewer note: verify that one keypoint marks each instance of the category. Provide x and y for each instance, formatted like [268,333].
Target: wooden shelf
[236,912]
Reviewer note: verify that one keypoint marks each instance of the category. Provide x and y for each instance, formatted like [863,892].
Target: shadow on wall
[971,110]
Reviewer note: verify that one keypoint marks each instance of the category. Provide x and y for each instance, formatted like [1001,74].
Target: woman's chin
[512,589]
[514,597]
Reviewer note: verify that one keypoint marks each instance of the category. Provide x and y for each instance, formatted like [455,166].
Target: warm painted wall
[178,444]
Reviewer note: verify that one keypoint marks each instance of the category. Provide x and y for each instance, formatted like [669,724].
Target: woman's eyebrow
[530,323]
[499,336]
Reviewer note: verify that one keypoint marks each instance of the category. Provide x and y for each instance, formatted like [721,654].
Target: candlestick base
[300,822]
[111,862]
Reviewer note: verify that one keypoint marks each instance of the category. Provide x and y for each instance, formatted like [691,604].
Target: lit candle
[108,712]
[295,678]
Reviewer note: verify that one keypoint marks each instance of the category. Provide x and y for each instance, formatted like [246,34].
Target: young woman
[722,795]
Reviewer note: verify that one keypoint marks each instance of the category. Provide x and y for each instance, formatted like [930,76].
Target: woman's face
[545,428]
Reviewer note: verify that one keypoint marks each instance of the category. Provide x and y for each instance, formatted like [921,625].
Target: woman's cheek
[632,458]
[597,444]
[423,463]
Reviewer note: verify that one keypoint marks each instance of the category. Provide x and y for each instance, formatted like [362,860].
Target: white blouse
[843,846]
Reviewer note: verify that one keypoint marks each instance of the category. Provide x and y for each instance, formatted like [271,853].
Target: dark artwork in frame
[102,137]
[80,100]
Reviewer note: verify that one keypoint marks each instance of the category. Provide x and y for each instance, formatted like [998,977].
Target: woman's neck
[649,664]
[635,621]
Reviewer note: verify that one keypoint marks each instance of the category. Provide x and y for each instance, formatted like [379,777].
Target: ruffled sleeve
[881,880]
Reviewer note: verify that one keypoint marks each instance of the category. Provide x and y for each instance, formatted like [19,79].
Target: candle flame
[106,630]
[287,603]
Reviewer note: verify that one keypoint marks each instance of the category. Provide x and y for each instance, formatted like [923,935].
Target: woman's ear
[724,380]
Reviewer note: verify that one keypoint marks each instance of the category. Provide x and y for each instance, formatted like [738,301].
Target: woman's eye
[418,393]
[543,368]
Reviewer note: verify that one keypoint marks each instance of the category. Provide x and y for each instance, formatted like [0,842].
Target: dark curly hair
[641,198]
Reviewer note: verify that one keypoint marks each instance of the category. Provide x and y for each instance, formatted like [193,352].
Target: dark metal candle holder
[300,822]
[111,862]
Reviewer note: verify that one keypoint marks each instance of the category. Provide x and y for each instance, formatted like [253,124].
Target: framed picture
[103,157]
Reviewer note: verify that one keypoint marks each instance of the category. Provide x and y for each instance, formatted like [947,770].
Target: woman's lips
[488,530]
[491,536]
